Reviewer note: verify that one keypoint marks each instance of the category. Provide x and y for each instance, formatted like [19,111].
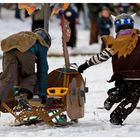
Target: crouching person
[125,52]
[21,51]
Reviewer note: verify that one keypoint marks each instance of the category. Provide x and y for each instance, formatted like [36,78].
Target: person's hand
[83,67]
[108,26]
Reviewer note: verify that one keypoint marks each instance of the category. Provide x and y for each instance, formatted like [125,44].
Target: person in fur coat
[20,53]
[125,52]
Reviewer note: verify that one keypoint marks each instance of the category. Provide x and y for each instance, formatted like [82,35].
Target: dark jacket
[71,14]
[128,67]
[93,10]
[104,25]
[125,53]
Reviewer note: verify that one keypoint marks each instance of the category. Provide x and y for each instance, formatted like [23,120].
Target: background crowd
[95,17]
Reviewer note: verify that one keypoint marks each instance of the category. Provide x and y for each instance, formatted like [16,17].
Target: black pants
[127,93]
[37,24]
[73,37]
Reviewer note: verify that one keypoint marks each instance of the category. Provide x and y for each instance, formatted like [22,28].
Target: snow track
[96,121]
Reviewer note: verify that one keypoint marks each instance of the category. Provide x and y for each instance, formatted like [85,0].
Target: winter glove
[83,67]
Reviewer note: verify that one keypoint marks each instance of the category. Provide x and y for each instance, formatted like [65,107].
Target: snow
[96,121]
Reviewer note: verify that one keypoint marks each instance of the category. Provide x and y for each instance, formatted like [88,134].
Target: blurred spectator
[38,19]
[71,15]
[136,8]
[94,10]
[17,12]
[20,13]
[9,6]
[104,23]
[85,16]
[116,9]
[0,9]
[124,7]
[82,8]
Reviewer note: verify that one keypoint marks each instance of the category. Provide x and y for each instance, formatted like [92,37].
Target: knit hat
[44,35]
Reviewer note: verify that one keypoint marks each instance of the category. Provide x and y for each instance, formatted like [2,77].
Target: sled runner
[66,95]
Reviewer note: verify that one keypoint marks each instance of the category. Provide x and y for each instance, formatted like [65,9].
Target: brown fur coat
[122,45]
[21,41]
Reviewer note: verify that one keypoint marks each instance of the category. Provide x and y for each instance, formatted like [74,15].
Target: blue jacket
[42,67]
[104,25]
[71,14]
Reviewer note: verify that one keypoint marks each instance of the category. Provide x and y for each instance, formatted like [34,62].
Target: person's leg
[17,12]
[115,95]
[128,104]
[91,41]
[85,16]
[0,10]
[96,31]
[103,46]
[37,24]
[123,110]
[93,32]
[72,41]
[9,74]
[27,79]
[27,73]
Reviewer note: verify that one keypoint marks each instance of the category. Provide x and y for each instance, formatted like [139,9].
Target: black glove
[83,67]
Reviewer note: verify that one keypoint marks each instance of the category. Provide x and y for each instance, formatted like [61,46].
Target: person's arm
[99,58]
[110,22]
[96,59]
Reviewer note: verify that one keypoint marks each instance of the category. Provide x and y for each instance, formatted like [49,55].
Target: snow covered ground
[96,121]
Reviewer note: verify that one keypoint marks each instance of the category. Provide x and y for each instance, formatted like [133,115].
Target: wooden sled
[10,102]
[66,95]
[66,99]
[74,100]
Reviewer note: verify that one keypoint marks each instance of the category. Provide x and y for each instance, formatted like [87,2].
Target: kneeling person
[21,51]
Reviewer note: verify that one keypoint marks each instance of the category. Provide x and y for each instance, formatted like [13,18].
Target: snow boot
[108,104]
[115,119]
[28,93]
[23,103]
[22,97]
[43,100]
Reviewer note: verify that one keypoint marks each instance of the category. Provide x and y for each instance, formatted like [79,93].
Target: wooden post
[65,38]
[47,12]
